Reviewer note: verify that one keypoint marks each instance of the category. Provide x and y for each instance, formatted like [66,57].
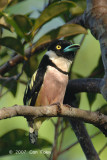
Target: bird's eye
[58,47]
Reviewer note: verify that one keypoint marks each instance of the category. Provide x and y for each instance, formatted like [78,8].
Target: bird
[48,84]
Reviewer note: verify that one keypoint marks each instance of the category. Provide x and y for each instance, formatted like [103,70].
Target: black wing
[35,83]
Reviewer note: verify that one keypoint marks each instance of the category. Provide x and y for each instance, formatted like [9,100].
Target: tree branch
[84,139]
[85,85]
[79,127]
[95,19]
[76,85]
[61,110]
[19,58]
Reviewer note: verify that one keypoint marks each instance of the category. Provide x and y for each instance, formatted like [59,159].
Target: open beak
[72,48]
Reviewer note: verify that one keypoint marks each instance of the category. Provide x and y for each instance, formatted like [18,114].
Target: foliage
[19,141]
[25,28]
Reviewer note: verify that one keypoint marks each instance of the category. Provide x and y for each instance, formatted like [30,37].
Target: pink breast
[53,88]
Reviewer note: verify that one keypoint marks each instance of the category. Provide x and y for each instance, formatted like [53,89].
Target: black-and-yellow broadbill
[48,84]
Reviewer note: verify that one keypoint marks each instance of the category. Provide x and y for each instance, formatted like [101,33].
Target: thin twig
[95,134]
[66,149]
[61,141]
[63,129]
[54,154]
[9,79]
[72,145]
[102,149]
[82,39]
[3,94]
[52,121]
[19,58]
[22,81]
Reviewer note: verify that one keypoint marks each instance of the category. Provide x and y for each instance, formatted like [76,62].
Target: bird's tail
[33,136]
[33,132]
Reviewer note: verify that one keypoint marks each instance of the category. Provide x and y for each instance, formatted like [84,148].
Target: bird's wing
[29,91]
[33,88]
[36,82]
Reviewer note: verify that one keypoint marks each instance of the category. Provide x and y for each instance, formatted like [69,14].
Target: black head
[64,48]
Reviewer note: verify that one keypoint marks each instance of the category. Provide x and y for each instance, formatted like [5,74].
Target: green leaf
[3,53]
[12,43]
[79,9]
[3,3]
[9,82]
[13,23]
[23,22]
[63,31]
[13,2]
[81,3]
[98,71]
[3,24]
[91,98]
[19,140]
[31,65]
[11,85]
[52,11]
[27,69]
[103,109]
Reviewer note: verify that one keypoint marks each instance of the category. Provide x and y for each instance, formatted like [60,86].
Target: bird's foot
[57,103]
[67,105]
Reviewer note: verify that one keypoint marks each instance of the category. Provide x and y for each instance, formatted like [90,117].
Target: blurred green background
[86,61]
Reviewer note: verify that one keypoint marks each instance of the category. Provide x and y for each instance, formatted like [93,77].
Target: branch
[19,58]
[102,149]
[75,86]
[79,127]
[94,118]
[84,139]
[84,85]
[95,19]
[75,143]
[54,152]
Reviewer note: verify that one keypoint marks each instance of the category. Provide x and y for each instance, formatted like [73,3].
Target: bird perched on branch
[48,84]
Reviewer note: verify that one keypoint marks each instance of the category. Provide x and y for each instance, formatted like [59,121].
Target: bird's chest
[53,88]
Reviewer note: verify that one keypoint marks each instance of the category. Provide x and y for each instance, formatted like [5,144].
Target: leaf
[27,69]
[13,23]
[30,66]
[91,98]
[3,3]
[79,9]
[3,24]
[3,53]
[23,22]
[81,3]
[11,85]
[9,82]
[63,31]
[12,43]
[13,2]
[52,11]
[98,71]
[103,109]
[19,140]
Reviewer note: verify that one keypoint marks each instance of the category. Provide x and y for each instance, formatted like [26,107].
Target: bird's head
[63,48]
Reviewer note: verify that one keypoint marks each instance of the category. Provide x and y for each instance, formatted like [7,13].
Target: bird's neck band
[55,66]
